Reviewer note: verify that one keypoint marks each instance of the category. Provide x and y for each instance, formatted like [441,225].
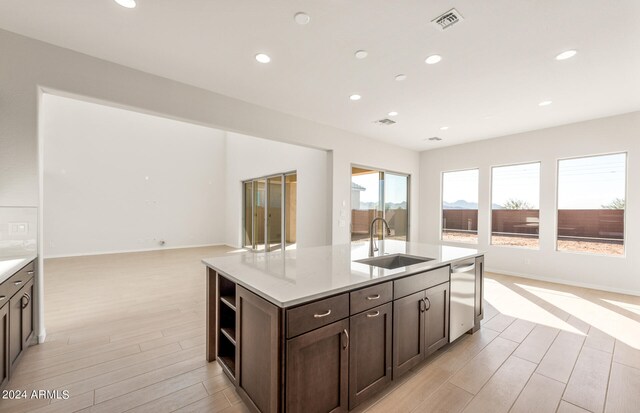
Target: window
[270,212]
[460,206]
[515,203]
[376,193]
[591,204]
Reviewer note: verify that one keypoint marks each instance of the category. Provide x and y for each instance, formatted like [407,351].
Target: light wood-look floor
[126,333]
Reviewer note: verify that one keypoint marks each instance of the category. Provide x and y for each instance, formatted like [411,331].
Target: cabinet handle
[422,305]
[323,314]
[465,268]
[2,297]
[28,297]
[346,337]
[373,297]
[377,313]
[426,300]
[18,282]
[30,272]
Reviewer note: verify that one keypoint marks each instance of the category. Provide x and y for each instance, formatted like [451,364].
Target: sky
[460,185]
[517,182]
[583,183]
[589,183]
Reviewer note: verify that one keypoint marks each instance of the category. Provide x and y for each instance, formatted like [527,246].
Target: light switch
[18,227]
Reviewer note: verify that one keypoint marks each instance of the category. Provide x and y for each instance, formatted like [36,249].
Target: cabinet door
[4,345]
[27,313]
[20,322]
[318,370]
[436,318]
[479,304]
[15,329]
[258,351]
[370,353]
[408,332]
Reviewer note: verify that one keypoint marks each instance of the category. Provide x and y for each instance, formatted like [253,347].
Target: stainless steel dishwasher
[463,290]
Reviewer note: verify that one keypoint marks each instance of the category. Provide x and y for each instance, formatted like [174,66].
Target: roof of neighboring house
[355,186]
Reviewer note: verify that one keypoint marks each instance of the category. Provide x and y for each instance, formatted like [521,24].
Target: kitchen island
[315,329]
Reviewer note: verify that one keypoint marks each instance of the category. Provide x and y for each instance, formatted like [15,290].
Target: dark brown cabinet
[421,326]
[317,370]
[4,345]
[258,350]
[329,354]
[20,322]
[370,353]
[16,319]
[408,332]
[436,318]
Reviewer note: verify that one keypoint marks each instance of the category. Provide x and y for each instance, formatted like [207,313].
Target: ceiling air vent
[385,122]
[448,19]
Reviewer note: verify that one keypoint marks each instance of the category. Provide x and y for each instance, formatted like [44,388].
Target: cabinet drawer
[421,281]
[362,300]
[14,283]
[317,314]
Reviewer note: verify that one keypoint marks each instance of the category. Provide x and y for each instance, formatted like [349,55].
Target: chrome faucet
[371,233]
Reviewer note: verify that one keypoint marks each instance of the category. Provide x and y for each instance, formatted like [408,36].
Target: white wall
[97,198]
[28,65]
[249,157]
[613,134]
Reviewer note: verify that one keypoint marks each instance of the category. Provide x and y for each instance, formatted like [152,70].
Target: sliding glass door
[376,193]
[269,212]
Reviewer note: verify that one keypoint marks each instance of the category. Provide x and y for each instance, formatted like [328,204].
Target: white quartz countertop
[297,276]
[11,265]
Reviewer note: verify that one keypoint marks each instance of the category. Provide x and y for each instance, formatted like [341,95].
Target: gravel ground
[592,247]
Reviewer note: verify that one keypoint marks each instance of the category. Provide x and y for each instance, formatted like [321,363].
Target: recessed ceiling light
[545,103]
[444,128]
[435,139]
[129,4]
[433,59]
[361,54]
[263,58]
[401,77]
[567,54]
[301,18]
[394,113]
[355,97]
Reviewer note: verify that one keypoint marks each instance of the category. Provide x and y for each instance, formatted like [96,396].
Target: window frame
[441,229]
[491,185]
[382,200]
[557,202]
[252,181]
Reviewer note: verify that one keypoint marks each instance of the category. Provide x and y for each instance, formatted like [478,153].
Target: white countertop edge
[411,270]
[11,267]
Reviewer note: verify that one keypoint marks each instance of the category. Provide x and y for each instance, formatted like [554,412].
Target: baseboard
[564,282]
[135,250]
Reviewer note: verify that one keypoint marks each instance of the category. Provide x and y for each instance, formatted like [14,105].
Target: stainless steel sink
[393,261]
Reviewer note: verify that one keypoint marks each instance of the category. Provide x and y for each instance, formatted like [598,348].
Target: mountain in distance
[388,205]
[462,204]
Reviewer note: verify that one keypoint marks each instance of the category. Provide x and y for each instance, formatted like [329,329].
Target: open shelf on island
[227,325]
[229,300]
[230,333]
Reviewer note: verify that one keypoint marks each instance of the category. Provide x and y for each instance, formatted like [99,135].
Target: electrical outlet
[18,227]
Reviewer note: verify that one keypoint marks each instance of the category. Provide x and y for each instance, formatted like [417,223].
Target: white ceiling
[497,65]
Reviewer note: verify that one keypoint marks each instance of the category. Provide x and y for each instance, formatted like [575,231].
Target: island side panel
[212,300]
[260,342]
